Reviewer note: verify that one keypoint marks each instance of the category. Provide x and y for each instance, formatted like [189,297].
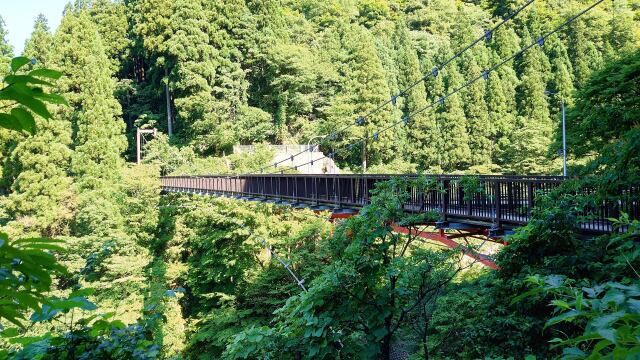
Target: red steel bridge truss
[490,212]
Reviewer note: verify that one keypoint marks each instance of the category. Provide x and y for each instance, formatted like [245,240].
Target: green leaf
[18,62]
[82,293]
[51,98]
[47,73]
[579,301]
[573,352]
[609,334]
[11,315]
[567,316]
[614,296]
[527,294]
[25,79]
[10,332]
[600,345]
[36,106]
[25,118]
[634,305]
[39,246]
[26,340]
[10,122]
[605,321]
[83,303]
[118,324]
[318,332]
[561,304]
[45,314]
[27,300]
[554,281]
[38,240]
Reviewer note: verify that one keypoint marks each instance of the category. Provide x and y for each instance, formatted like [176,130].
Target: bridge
[500,204]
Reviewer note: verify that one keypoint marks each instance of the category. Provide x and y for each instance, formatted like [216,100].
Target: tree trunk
[386,348]
[168,98]
[425,346]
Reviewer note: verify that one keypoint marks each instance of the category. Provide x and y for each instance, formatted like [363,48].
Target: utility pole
[564,141]
[364,152]
[138,146]
[564,131]
[166,89]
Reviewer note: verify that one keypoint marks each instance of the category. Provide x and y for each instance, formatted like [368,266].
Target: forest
[97,262]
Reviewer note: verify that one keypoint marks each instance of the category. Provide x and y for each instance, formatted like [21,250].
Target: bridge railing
[499,200]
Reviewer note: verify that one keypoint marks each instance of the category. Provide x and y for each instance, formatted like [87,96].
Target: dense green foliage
[375,293]
[286,71]
[598,323]
[95,263]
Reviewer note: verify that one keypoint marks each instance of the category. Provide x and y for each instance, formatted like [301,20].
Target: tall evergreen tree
[477,113]
[561,70]
[583,51]
[363,86]
[146,66]
[6,141]
[193,62]
[112,25]
[528,153]
[501,115]
[230,20]
[435,87]
[422,131]
[42,199]
[209,84]
[464,31]
[151,24]
[6,50]
[501,92]
[454,141]
[94,113]
[38,46]
[624,35]
[88,85]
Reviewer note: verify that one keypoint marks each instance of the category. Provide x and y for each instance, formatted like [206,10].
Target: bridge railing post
[445,199]
[530,198]
[498,202]
[470,198]
[338,192]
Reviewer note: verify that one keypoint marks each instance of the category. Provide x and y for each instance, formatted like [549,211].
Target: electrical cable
[483,75]
[487,36]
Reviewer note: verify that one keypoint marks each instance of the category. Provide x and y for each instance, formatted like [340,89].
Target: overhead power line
[486,36]
[483,75]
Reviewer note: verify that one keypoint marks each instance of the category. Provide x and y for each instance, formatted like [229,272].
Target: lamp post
[564,133]
[311,151]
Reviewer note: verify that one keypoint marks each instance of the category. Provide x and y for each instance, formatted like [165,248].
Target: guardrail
[501,200]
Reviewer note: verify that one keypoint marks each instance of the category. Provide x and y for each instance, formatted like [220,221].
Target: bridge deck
[503,201]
